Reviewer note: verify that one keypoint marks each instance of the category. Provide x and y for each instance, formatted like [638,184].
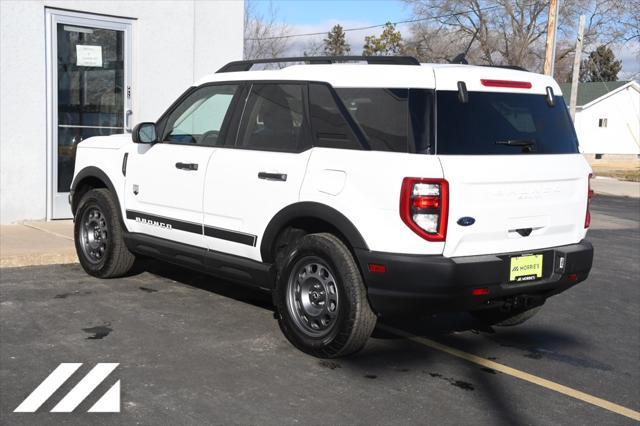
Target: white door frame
[57,203]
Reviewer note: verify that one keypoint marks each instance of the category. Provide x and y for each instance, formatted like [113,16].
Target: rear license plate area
[525,268]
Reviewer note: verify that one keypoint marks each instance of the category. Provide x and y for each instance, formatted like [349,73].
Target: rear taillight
[424,207]
[587,219]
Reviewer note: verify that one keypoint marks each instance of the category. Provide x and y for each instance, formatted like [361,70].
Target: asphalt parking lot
[194,350]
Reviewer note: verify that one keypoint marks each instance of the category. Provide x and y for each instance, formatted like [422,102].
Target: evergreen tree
[389,43]
[336,44]
[601,65]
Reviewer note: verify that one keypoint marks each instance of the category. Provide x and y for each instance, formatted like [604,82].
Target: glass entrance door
[91,93]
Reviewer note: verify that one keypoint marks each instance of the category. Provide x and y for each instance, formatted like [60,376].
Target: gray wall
[174,43]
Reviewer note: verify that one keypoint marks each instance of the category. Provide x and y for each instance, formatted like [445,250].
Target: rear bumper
[429,284]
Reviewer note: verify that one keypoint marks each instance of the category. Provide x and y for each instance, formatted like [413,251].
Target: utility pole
[552,26]
[576,70]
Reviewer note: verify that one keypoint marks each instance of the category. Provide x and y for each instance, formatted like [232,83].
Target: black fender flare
[93,172]
[312,210]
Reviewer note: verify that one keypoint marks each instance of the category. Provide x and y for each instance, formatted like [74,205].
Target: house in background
[607,117]
[75,69]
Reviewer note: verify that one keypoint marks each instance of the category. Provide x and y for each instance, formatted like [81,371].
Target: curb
[609,186]
[38,259]
[611,194]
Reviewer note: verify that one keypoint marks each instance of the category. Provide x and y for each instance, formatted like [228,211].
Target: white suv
[351,191]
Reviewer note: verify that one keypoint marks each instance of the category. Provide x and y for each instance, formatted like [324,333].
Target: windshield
[503,123]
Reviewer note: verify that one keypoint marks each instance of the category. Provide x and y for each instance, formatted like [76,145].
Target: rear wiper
[517,142]
[527,145]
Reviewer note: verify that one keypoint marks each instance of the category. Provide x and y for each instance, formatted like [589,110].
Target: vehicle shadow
[402,356]
[239,292]
[462,332]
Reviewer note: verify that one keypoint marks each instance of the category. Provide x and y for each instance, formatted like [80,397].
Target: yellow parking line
[590,399]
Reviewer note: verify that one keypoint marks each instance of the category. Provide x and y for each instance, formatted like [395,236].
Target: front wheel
[321,299]
[98,236]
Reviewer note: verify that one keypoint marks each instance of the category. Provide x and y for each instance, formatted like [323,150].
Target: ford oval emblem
[466,221]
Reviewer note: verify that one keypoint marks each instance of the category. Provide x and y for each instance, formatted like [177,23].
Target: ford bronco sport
[350,191]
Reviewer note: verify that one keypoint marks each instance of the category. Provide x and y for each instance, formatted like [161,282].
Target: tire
[319,279]
[98,236]
[505,319]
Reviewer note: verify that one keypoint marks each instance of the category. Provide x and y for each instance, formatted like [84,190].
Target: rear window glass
[503,123]
[397,120]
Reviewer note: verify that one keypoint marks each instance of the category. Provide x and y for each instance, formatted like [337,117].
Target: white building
[607,117]
[73,69]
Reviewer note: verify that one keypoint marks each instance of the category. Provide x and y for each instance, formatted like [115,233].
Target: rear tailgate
[520,203]
[509,151]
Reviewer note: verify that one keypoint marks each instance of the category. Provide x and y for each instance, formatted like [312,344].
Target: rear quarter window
[391,119]
[330,129]
[382,114]
[494,123]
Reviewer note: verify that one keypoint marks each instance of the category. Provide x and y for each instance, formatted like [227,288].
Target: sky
[312,12]
[309,16]
[304,16]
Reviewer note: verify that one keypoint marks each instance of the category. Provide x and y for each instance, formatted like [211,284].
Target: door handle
[187,166]
[272,176]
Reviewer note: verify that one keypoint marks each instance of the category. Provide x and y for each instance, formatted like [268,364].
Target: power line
[407,21]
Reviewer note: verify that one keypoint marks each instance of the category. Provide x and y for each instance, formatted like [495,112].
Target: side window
[383,115]
[198,119]
[330,129]
[273,119]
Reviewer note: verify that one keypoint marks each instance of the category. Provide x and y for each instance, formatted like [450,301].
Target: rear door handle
[273,176]
[187,166]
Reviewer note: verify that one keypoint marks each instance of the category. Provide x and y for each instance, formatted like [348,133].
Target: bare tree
[264,34]
[430,42]
[501,32]
[313,48]
[631,20]
[604,25]
[511,32]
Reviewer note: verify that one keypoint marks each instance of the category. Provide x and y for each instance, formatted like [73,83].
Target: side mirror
[145,133]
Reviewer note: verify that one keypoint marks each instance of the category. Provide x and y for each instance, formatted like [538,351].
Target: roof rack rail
[378,60]
[462,60]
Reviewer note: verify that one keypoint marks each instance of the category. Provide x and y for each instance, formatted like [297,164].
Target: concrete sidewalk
[47,243]
[611,186]
[37,243]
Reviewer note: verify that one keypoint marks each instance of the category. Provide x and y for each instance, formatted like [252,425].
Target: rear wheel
[321,299]
[506,319]
[98,236]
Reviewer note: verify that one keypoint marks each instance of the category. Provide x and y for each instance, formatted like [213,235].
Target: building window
[602,122]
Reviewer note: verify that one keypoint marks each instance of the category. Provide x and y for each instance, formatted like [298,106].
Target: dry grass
[623,170]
